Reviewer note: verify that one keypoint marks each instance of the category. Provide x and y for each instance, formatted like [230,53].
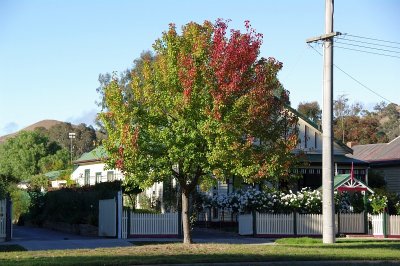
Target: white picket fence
[352,223]
[147,224]
[274,224]
[124,224]
[309,224]
[394,225]
[301,224]
[2,219]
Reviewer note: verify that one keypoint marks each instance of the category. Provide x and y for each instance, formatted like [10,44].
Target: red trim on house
[351,189]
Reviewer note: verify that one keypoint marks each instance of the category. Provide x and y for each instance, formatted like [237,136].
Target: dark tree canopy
[311,110]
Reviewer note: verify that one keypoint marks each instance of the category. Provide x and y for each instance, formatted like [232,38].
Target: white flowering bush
[304,201]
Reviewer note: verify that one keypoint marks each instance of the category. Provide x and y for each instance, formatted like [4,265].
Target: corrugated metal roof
[378,152]
[97,154]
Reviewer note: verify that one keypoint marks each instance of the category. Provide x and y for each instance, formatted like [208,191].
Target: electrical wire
[368,38]
[368,52]
[354,79]
[370,43]
[368,47]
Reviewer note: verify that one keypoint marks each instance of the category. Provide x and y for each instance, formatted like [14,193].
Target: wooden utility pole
[328,205]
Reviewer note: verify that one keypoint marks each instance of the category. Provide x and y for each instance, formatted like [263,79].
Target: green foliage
[170,196]
[299,241]
[349,202]
[354,123]
[311,110]
[38,182]
[70,205]
[203,107]
[85,140]
[58,161]
[20,155]
[378,203]
[21,202]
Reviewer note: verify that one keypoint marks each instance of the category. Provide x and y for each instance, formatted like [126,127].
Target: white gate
[108,218]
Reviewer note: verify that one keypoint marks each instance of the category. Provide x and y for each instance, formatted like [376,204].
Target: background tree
[20,155]
[311,110]
[86,137]
[204,108]
[123,80]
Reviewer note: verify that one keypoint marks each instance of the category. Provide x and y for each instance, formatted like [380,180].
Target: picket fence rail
[153,224]
[298,224]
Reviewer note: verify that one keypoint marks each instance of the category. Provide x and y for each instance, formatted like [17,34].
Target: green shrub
[71,205]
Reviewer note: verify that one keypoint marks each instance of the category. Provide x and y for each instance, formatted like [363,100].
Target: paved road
[33,238]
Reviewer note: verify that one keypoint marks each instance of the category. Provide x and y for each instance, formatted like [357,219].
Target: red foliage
[231,60]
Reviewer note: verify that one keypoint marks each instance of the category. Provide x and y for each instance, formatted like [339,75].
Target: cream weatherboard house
[90,167]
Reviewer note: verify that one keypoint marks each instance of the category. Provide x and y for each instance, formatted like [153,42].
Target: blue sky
[51,52]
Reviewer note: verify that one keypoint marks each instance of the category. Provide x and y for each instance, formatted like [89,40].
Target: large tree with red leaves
[205,108]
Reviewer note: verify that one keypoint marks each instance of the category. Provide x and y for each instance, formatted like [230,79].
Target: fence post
[128,223]
[294,223]
[179,223]
[8,218]
[254,223]
[384,220]
[366,225]
[338,223]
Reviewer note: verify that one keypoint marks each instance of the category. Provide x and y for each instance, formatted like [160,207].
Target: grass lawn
[284,250]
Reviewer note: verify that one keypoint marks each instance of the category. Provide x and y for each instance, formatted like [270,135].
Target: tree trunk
[187,234]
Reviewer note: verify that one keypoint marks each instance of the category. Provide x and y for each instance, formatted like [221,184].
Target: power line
[354,79]
[370,43]
[369,47]
[368,38]
[368,52]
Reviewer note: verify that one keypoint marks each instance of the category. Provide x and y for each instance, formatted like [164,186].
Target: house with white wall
[90,167]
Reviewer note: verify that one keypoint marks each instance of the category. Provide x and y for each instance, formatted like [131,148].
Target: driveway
[33,238]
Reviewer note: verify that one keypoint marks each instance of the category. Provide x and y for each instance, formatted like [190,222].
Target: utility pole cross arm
[323,37]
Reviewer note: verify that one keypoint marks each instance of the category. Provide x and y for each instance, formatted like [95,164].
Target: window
[87,177]
[315,140]
[98,177]
[110,176]
[305,136]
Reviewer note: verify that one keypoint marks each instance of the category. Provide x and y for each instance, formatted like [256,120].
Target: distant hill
[48,123]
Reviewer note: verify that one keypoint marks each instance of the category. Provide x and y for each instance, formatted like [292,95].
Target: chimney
[350,144]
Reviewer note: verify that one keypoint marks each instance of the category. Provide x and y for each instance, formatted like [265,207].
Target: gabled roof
[317,127]
[344,182]
[97,155]
[381,152]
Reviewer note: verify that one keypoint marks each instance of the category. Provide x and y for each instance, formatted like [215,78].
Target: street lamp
[71,136]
